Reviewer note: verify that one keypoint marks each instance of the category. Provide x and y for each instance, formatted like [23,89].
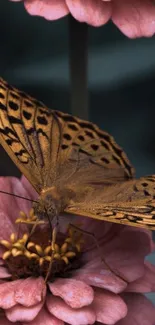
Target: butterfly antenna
[19,196]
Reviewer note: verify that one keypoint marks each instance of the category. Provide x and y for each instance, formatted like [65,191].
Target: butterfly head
[48,205]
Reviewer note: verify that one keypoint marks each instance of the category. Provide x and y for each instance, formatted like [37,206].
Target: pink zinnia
[92,293]
[135,18]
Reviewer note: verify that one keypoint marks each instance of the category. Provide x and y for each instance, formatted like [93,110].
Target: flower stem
[78,61]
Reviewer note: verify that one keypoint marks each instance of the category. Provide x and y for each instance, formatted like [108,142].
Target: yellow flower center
[33,255]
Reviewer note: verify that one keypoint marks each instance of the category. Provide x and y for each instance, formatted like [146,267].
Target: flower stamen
[31,219]
[25,257]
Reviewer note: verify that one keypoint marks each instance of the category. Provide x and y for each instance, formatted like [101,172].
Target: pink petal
[92,12]
[96,275]
[7,293]
[49,9]
[7,227]
[140,310]
[45,318]
[19,189]
[109,308]
[5,321]
[146,283]
[125,253]
[1,261]
[23,314]
[61,310]
[75,293]
[30,292]
[11,205]
[4,273]
[135,18]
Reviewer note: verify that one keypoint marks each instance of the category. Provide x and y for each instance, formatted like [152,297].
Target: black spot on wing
[116,160]
[44,111]
[28,103]
[73,127]
[14,120]
[10,141]
[105,160]
[27,115]
[7,131]
[81,138]
[14,95]
[2,95]
[64,146]
[3,107]
[94,147]
[30,131]
[69,118]
[40,131]
[85,152]
[86,125]
[104,144]
[67,136]
[20,153]
[42,120]
[13,105]
[146,193]
[89,134]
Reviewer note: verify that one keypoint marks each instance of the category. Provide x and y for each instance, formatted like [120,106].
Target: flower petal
[75,293]
[6,229]
[7,294]
[44,317]
[92,12]
[140,310]
[109,307]
[125,253]
[30,292]
[5,321]
[61,310]
[23,314]
[96,274]
[146,283]
[135,18]
[4,273]
[49,9]
[1,261]
[14,186]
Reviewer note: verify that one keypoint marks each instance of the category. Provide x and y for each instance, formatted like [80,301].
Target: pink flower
[135,18]
[89,292]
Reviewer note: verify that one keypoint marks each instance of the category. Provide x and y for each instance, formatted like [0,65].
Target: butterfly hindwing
[131,202]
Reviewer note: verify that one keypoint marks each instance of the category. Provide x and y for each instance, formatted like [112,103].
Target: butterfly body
[74,166]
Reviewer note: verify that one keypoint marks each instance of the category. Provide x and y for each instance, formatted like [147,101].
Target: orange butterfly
[74,166]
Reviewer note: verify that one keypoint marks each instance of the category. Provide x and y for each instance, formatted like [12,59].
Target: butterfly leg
[92,235]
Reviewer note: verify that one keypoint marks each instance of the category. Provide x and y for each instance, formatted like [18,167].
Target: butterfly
[75,167]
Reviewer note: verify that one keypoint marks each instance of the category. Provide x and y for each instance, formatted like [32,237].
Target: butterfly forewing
[26,129]
[53,148]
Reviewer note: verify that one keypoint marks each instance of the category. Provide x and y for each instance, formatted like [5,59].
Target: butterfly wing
[50,147]
[131,203]
[30,134]
[88,153]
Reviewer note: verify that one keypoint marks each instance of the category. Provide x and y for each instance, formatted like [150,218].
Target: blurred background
[34,58]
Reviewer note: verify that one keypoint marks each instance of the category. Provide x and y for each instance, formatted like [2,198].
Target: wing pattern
[48,145]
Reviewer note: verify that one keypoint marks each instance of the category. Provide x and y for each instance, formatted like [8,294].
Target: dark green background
[34,58]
